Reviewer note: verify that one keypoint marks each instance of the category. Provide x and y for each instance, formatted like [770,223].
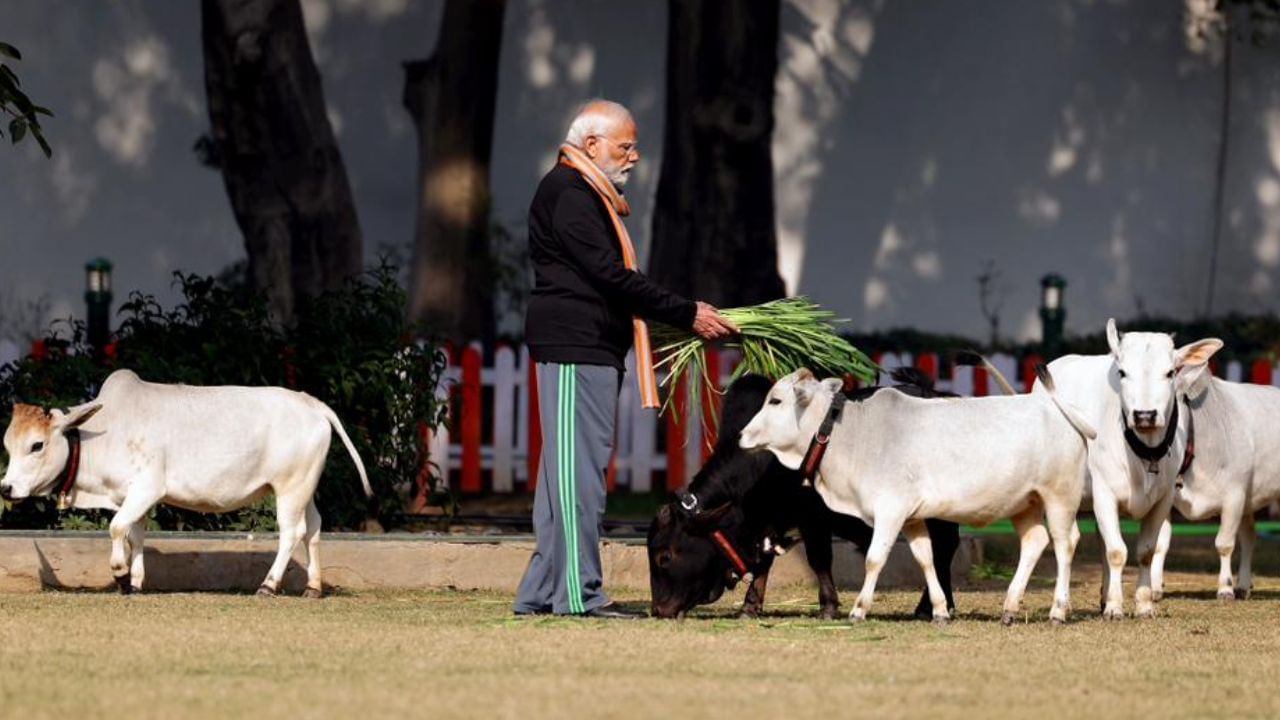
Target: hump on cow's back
[119,378]
[742,401]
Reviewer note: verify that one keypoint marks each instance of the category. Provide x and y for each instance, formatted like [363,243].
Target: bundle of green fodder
[777,338]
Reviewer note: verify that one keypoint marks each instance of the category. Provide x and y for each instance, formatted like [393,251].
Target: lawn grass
[462,655]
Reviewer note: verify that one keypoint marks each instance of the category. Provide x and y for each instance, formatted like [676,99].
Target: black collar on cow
[67,478]
[818,445]
[1153,455]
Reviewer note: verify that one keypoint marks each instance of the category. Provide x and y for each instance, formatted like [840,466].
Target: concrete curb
[34,561]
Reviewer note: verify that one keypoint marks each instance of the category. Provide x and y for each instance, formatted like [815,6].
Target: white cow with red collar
[894,461]
[209,449]
[1236,468]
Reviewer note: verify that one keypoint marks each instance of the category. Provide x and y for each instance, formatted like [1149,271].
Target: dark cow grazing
[736,516]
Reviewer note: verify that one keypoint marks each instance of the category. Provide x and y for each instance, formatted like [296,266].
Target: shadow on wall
[1071,137]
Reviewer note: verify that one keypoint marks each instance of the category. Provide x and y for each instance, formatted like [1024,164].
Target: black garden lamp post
[97,296]
[1052,314]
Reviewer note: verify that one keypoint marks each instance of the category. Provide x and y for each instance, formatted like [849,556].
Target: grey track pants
[577,405]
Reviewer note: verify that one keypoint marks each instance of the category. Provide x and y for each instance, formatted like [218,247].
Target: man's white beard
[618,177]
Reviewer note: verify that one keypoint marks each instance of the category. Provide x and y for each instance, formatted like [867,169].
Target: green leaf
[10,76]
[9,50]
[17,129]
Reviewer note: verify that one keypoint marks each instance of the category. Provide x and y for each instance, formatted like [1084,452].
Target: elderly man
[589,305]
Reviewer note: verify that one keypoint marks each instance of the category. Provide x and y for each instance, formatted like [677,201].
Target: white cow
[1236,467]
[895,460]
[1131,392]
[210,449]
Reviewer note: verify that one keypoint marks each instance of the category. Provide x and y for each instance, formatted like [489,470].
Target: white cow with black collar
[210,449]
[1133,389]
[895,461]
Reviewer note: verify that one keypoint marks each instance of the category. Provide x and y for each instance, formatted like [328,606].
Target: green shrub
[349,348]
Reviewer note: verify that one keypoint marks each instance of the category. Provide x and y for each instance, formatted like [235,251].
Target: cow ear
[664,514]
[805,391]
[1197,353]
[75,417]
[1113,337]
[834,385]
[707,521]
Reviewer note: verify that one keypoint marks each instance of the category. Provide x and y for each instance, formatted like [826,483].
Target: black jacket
[583,296]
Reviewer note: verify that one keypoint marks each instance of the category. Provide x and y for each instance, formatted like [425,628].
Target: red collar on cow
[730,553]
[67,478]
[1190,455]
[1153,455]
[818,445]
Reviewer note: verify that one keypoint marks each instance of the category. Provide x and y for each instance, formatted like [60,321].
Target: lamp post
[1052,314]
[97,296]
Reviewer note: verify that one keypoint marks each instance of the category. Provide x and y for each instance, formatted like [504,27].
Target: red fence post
[1029,371]
[981,386]
[472,416]
[1261,372]
[535,427]
[675,435]
[711,405]
[927,363]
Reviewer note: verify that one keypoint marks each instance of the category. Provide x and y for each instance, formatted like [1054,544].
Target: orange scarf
[617,206]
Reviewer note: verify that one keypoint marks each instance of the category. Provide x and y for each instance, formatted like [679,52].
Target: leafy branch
[24,115]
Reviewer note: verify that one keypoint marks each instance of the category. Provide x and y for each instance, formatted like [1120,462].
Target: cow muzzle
[6,491]
[1144,420]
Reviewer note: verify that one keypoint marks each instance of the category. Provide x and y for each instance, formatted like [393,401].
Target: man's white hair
[597,117]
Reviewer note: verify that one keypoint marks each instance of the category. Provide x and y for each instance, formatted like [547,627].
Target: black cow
[754,502]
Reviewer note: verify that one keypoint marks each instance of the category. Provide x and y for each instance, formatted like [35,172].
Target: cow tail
[976,359]
[355,456]
[1081,425]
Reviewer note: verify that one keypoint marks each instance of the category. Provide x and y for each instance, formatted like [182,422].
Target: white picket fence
[496,456]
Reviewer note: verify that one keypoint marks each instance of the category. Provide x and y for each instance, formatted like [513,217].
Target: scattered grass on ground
[462,655]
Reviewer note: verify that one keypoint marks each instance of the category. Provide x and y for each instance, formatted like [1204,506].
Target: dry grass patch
[461,655]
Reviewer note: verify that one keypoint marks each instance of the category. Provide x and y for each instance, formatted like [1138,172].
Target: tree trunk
[1220,168]
[714,237]
[451,96]
[272,139]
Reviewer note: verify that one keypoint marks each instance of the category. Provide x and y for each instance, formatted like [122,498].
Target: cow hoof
[265,590]
[1243,593]
[125,584]
[1056,621]
[1156,596]
[311,594]
[942,621]
[1007,619]
[1145,613]
[829,613]
[1113,614]
[1226,595]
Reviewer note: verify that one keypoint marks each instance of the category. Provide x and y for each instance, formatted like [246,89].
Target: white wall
[915,140]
